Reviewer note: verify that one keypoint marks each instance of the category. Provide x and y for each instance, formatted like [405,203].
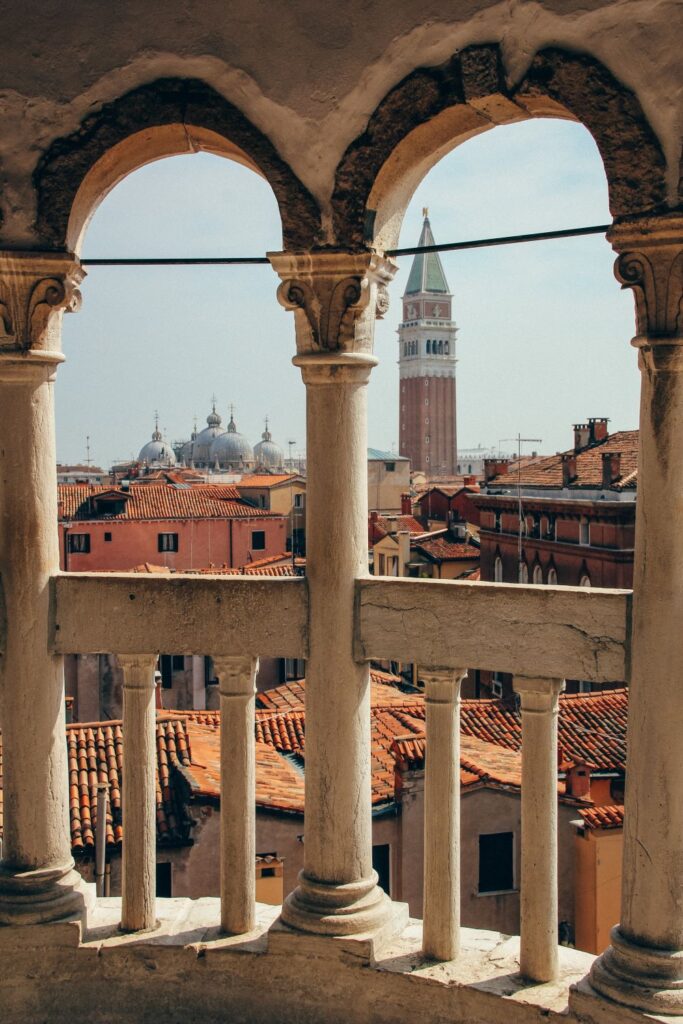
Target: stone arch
[163,118]
[435,109]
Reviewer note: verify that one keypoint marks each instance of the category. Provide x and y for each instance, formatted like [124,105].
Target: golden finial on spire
[425,211]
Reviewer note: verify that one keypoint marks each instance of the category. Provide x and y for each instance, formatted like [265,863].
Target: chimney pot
[495,467]
[582,436]
[598,428]
[568,468]
[406,505]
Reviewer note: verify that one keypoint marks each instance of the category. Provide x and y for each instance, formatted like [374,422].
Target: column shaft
[138,883]
[441,913]
[237,678]
[538,895]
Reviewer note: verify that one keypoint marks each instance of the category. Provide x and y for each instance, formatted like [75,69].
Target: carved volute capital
[335,297]
[35,289]
[650,262]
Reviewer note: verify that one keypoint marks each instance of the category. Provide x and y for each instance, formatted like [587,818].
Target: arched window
[585,580]
[552,576]
[523,572]
[405,348]
[446,347]
[429,347]
[538,574]
[440,348]
[469,469]
[498,569]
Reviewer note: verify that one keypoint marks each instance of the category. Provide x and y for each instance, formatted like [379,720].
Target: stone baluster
[138,882]
[237,682]
[643,967]
[37,877]
[335,298]
[538,890]
[441,913]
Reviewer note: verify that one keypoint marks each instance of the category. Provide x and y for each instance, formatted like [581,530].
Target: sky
[544,329]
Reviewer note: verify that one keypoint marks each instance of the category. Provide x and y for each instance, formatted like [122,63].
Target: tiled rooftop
[443,549]
[603,817]
[292,695]
[158,501]
[382,525]
[547,471]
[266,480]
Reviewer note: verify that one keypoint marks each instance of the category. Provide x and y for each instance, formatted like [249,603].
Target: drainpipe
[101,838]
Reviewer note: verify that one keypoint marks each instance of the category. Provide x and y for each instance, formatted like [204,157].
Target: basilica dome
[157,452]
[267,453]
[231,450]
[201,445]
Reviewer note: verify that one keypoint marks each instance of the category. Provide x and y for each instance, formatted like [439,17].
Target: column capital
[335,297]
[35,289]
[650,261]
[442,685]
[138,670]
[538,695]
[236,675]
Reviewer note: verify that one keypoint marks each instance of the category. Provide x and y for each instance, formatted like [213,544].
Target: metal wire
[479,243]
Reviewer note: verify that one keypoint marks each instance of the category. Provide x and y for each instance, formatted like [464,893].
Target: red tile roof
[443,549]
[547,470]
[603,817]
[265,480]
[158,501]
[292,695]
[383,525]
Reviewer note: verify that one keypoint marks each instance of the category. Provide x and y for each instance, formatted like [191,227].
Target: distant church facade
[426,335]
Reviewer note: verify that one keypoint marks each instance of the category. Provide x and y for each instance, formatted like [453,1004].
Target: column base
[358,916]
[639,976]
[37,897]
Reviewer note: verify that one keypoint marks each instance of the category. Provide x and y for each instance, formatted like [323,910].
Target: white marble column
[237,682]
[441,913]
[37,877]
[335,297]
[644,965]
[138,875]
[538,888]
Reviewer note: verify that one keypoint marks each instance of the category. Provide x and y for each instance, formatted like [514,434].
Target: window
[166,669]
[446,347]
[497,522]
[79,543]
[390,467]
[585,580]
[258,540]
[498,570]
[584,531]
[168,542]
[298,501]
[178,663]
[538,574]
[107,537]
[382,561]
[381,862]
[496,868]
[426,401]
[427,439]
[164,881]
[469,468]
[552,576]
[497,685]
[440,348]
[523,572]
[293,668]
[429,347]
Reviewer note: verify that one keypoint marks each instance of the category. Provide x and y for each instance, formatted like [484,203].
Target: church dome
[231,450]
[202,442]
[267,453]
[157,452]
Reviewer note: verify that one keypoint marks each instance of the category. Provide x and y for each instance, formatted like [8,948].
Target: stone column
[237,681]
[37,877]
[441,913]
[139,860]
[644,965]
[538,889]
[335,298]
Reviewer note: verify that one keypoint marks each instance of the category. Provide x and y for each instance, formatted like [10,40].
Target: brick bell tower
[426,339]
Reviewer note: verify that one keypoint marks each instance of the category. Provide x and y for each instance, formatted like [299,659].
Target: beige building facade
[343,112]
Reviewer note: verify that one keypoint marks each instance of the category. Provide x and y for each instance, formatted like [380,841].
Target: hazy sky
[543,328]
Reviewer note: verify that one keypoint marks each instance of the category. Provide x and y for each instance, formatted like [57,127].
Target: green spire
[426,273]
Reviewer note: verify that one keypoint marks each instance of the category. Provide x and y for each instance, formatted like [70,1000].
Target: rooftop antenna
[88,460]
[520,441]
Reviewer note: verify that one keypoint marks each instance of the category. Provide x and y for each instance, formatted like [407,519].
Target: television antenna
[520,441]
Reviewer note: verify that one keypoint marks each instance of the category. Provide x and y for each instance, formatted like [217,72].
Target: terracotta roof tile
[603,817]
[292,695]
[546,471]
[444,549]
[262,480]
[158,501]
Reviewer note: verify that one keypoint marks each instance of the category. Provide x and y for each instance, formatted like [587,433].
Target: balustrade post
[237,682]
[37,877]
[441,912]
[538,890]
[138,869]
[335,298]
[643,967]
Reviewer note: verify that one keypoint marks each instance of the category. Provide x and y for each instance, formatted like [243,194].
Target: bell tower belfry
[426,339]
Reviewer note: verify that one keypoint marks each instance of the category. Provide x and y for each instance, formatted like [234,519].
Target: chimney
[403,538]
[577,779]
[392,525]
[495,467]
[582,436]
[470,481]
[598,428]
[568,468]
[373,515]
[611,468]
[406,505]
